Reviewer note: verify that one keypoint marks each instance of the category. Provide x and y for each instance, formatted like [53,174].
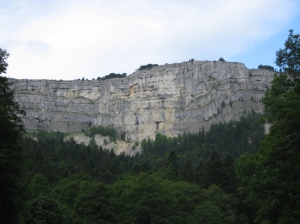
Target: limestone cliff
[168,99]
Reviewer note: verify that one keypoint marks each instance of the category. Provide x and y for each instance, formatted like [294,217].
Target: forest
[171,181]
[233,173]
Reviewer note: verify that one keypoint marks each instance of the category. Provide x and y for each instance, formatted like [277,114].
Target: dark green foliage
[123,134]
[288,59]
[3,60]
[149,66]
[39,185]
[221,59]
[112,76]
[216,207]
[11,130]
[47,135]
[44,210]
[271,178]
[230,182]
[174,180]
[57,159]
[102,130]
[93,203]
[149,198]
[266,67]
[187,172]
[92,185]
[215,171]
[233,138]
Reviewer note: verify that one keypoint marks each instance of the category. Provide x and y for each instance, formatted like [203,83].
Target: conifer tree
[11,130]
[215,170]
[271,178]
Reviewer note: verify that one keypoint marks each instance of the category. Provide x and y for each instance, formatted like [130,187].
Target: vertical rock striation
[169,99]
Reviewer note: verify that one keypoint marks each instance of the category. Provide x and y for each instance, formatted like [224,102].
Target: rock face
[169,99]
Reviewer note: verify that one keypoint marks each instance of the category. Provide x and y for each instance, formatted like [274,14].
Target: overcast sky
[70,39]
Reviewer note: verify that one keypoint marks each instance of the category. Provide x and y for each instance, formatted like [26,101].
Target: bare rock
[169,99]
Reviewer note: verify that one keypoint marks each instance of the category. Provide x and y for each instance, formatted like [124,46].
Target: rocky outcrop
[168,99]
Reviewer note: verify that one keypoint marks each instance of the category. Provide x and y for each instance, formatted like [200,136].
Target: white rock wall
[169,99]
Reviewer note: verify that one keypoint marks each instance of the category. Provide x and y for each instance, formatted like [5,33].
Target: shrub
[102,130]
[143,67]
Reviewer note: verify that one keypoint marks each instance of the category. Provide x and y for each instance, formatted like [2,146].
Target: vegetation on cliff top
[148,66]
[267,67]
[112,75]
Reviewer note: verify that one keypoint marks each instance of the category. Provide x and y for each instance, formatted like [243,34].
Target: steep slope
[168,99]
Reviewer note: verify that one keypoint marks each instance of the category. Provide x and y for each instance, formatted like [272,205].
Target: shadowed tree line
[112,75]
[181,181]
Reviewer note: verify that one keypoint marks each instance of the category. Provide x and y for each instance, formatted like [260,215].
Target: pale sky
[70,39]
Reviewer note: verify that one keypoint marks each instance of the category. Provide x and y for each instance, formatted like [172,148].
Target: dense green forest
[227,139]
[173,180]
[232,173]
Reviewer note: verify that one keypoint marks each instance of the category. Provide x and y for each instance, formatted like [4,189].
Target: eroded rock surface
[168,99]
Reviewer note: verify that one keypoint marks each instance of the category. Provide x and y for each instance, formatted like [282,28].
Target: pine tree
[187,172]
[271,178]
[11,130]
[215,170]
